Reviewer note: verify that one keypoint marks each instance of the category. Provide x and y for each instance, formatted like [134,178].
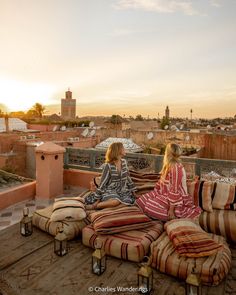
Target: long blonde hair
[172,156]
[114,152]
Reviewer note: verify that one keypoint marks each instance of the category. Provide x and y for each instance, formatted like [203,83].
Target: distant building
[167,112]
[68,107]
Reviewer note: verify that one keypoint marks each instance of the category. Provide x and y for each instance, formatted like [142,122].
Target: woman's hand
[171,213]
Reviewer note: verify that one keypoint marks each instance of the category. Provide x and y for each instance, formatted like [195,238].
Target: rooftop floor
[29,266]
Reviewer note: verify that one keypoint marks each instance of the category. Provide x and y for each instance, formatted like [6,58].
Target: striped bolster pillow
[225,196]
[114,220]
[189,239]
[68,209]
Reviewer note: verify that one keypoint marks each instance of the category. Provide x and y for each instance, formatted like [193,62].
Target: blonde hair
[113,152]
[172,153]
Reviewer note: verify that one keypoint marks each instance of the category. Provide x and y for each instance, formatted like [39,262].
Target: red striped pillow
[114,220]
[189,239]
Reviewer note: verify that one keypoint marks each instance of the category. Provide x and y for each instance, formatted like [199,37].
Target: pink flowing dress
[169,191]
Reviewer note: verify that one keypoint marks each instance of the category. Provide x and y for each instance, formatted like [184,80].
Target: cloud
[159,6]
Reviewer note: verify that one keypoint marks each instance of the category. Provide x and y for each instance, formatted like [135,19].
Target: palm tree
[38,109]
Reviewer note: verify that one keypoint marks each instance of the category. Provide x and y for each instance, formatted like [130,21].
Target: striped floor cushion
[220,222]
[41,219]
[213,269]
[131,245]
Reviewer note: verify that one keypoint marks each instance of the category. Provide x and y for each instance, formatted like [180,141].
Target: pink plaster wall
[77,177]
[17,194]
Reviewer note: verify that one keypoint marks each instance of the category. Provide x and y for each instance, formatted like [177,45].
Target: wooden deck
[28,266]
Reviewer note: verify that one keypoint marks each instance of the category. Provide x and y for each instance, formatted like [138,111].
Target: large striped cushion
[202,193]
[189,239]
[220,222]
[224,196]
[68,209]
[213,269]
[114,220]
[131,245]
[41,219]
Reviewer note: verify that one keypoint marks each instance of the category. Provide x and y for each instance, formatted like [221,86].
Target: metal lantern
[145,277]
[60,243]
[98,259]
[193,283]
[26,225]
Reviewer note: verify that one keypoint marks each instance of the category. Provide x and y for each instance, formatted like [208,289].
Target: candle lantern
[26,225]
[60,242]
[193,283]
[145,277]
[98,258]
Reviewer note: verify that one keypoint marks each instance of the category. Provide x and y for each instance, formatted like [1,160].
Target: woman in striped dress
[170,198]
[115,185]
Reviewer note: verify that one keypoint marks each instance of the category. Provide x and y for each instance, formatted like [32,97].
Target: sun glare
[20,96]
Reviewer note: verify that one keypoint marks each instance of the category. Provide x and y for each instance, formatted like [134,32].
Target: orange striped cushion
[212,269]
[131,245]
[189,239]
[220,222]
[114,220]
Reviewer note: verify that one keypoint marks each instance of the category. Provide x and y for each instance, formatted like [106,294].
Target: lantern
[26,225]
[60,243]
[145,277]
[98,259]
[193,283]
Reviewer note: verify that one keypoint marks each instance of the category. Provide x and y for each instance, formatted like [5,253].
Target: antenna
[54,128]
[150,135]
[85,132]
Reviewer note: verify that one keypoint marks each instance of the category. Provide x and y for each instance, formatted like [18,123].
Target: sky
[124,57]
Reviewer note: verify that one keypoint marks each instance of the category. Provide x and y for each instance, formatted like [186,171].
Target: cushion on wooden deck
[113,220]
[70,209]
[41,219]
[189,239]
[130,245]
[220,222]
[212,269]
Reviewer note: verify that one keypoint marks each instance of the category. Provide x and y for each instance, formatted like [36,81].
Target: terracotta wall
[77,177]
[41,127]
[17,194]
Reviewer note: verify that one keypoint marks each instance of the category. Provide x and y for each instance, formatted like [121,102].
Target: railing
[92,159]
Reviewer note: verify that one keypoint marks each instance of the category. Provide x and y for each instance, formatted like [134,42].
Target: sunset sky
[124,57]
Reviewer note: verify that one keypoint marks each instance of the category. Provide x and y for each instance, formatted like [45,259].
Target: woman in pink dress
[170,198]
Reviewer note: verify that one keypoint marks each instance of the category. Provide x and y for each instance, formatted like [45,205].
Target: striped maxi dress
[169,191]
[114,184]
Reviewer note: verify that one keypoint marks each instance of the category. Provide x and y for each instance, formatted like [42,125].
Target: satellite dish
[92,133]
[63,128]
[187,138]
[181,127]
[83,125]
[85,132]
[166,127]
[173,128]
[91,124]
[208,126]
[54,128]
[150,135]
